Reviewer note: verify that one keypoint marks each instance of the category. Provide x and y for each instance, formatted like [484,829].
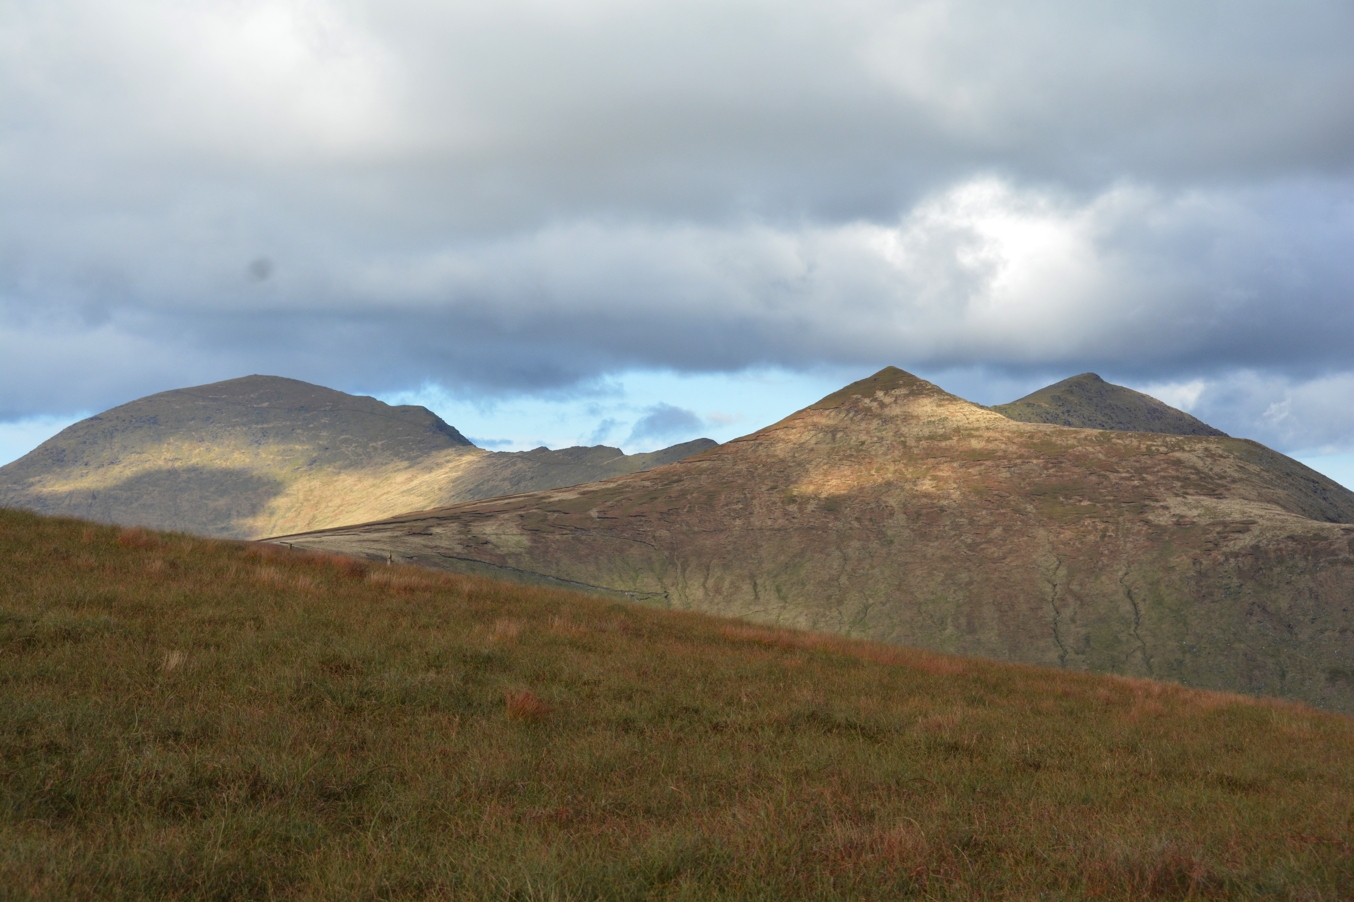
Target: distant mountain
[1089,402]
[262,454]
[896,511]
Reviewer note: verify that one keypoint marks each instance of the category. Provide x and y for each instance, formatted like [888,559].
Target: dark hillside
[1089,402]
[509,472]
[189,719]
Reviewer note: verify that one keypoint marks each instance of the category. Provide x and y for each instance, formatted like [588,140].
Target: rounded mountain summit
[261,455]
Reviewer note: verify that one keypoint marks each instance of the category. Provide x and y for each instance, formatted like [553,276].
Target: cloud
[979,274]
[663,422]
[604,430]
[492,443]
[528,197]
[1302,416]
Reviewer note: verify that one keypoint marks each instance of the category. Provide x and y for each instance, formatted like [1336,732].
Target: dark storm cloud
[529,195]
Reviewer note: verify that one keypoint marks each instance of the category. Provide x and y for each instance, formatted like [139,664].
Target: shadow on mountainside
[203,500]
[895,511]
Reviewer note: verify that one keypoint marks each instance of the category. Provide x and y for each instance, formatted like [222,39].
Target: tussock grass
[189,719]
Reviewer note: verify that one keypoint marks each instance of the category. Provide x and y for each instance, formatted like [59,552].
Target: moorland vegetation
[185,718]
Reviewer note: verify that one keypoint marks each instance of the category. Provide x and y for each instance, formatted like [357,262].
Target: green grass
[189,719]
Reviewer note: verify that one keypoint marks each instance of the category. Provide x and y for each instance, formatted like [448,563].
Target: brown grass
[136,537]
[563,626]
[875,652]
[186,719]
[404,580]
[507,629]
[523,704]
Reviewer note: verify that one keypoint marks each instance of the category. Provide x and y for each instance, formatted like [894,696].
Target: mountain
[261,455]
[894,511]
[1089,402]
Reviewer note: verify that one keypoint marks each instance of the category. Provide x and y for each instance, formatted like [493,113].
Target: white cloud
[1308,417]
[163,83]
[1182,395]
[981,273]
[528,196]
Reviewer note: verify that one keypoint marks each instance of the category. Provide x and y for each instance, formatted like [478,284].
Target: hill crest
[1089,402]
[892,400]
[260,455]
[334,427]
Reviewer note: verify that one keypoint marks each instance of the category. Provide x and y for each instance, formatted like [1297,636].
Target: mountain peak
[262,454]
[260,390]
[1089,402]
[891,381]
[249,395]
[894,510]
[334,425]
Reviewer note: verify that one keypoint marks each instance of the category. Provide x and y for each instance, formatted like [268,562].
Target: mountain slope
[262,454]
[893,510]
[1089,402]
[189,719]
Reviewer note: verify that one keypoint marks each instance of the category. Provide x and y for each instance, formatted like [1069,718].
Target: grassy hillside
[192,719]
[895,511]
[263,455]
[1089,402]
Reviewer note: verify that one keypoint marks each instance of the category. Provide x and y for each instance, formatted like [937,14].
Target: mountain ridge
[259,455]
[895,511]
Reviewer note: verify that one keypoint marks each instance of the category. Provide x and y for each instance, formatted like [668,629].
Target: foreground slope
[1089,402]
[188,719]
[895,511]
[262,455]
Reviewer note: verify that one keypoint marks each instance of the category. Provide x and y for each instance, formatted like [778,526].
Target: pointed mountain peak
[890,380]
[892,394]
[1089,402]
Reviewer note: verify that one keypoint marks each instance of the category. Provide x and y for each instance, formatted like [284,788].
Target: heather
[184,718]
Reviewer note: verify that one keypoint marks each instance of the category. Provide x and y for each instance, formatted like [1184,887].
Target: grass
[190,719]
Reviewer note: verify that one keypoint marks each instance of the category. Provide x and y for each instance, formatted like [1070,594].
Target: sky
[638,221]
